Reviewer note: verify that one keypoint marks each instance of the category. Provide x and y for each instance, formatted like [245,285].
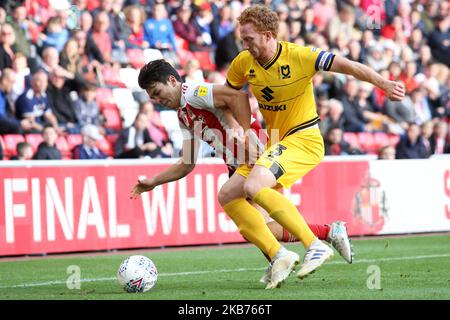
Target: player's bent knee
[225,196]
[251,189]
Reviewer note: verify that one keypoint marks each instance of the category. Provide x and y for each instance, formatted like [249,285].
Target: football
[137,274]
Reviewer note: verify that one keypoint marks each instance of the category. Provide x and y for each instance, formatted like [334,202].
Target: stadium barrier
[72,206]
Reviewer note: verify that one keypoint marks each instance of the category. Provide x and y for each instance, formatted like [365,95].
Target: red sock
[320,231]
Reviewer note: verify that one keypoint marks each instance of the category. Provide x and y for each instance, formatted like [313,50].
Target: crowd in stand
[68,73]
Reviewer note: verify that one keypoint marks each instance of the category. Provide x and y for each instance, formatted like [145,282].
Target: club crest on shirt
[285,72]
[200,91]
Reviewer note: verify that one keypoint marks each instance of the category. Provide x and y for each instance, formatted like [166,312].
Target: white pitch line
[59,282]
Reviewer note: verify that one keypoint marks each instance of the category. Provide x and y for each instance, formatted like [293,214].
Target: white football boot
[266,277]
[317,253]
[339,239]
[281,267]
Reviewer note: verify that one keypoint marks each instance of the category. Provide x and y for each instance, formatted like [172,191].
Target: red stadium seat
[11,140]
[352,139]
[64,147]
[366,142]
[104,96]
[104,145]
[113,118]
[394,139]
[73,140]
[136,57]
[34,139]
[206,62]
[2,143]
[112,138]
[380,139]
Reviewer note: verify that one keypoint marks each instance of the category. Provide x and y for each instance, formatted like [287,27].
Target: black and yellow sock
[252,226]
[285,213]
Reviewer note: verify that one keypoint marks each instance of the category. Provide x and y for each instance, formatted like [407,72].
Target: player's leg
[253,227]
[283,164]
[246,217]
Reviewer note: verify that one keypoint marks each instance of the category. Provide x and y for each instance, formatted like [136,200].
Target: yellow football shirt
[283,86]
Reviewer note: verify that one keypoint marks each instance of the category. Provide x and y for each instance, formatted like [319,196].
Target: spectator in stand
[50,63]
[439,40]
[55,34]
[24,151]
[422,109]
[202,20]
[227,49]
[185,28]
[7,41]
[90,55]
[88,149]
[426,131]
[156,129]
[135,17]
[159,33]
[411,145]
[282,11]
[135,141]
[335,145]
[407,77]
[34,106]
[343,24]
[101,36]
[8,122]
[223,25]
[47,149]
[86,21]
[439,142]
[86,107]
[192,71]
[70,57]
[386,153]
[20,24]
[23,75]
[354,119]
[334,118]
[324,11]
[62,104]
[425,58]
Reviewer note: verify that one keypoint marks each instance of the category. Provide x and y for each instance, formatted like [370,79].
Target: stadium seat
[136,57]
[352,139]
[151,55]
[182,44]
[2,143]
[380,140]
[11,140]
[394,139]
[128,107]
[129,76]
[366,142]
[64,147]
[112,138]
[111,76]
[34,139]
[205,59]
[74,140]
[104,96]
[106,146]
[113,119]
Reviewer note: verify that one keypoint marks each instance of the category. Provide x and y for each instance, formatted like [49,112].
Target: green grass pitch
[413,267]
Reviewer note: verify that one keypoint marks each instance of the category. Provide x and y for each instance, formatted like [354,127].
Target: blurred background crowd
[68,73]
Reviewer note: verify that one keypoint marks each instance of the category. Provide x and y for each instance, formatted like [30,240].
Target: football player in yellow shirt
[280,75]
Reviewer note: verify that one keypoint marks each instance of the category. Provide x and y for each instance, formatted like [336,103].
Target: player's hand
[143,185]
[395,91]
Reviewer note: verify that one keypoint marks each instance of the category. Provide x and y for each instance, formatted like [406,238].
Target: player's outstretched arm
[394,90]
[175,172]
